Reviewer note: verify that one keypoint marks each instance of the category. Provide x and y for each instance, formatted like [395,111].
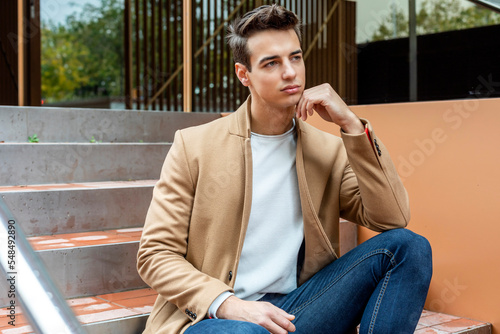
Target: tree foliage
[436,16]
[84,56]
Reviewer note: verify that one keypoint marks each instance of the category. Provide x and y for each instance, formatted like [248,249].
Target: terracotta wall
[448,155]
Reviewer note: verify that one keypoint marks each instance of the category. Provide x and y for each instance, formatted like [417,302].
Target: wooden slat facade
[20,64]
[157,51]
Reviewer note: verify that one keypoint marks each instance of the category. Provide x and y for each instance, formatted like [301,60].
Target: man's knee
[409,239]
[416,249]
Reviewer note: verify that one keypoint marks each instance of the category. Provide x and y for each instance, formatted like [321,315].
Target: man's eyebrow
[263,60]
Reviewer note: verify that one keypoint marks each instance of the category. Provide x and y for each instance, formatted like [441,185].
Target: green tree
[63,64]
[84,56]
[437,16]
[100,29]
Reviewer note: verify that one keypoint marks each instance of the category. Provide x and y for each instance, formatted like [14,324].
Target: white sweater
[268,262]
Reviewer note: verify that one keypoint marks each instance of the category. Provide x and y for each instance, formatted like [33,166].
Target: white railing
[28,283]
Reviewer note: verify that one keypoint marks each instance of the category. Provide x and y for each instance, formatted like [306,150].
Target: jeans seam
[328,286]
[379,301]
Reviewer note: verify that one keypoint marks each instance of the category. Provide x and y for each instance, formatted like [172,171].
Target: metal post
[29,282]
[188,55]
[413,51]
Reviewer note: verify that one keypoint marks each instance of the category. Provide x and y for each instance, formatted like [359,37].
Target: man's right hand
[272,318]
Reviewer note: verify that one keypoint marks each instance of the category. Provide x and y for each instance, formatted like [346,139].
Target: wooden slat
[187,55]
[20,53]
[137,56]
[160,52]
[168,46]
[145,81]
[128,53]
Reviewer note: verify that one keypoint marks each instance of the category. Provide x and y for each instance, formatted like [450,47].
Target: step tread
[94,309]
[78,186]
[82,239]
[439,323]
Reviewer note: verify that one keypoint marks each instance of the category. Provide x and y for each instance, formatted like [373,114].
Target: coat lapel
[318,249]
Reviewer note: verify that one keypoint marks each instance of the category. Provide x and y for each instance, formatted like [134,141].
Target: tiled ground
[93,309]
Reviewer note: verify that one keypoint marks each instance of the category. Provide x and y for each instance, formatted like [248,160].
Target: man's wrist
[214,307]
[353,126]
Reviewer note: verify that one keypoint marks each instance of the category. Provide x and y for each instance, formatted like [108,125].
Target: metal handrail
[28,282]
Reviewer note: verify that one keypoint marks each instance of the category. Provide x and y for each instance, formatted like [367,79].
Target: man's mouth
[291,89]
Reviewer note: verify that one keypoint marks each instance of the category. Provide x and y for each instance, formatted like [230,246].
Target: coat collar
[241,123]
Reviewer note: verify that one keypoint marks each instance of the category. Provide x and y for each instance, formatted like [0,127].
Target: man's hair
[262,18]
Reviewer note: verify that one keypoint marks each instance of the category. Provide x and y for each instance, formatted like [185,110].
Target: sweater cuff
[212,310]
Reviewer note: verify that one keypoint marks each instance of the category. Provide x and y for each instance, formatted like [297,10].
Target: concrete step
[29,164]
[79,207]
[123,312]
[80,125]
[90,263]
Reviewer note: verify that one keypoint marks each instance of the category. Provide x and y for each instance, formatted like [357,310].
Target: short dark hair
[262,18]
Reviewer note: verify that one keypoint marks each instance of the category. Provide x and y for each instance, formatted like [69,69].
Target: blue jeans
[381,284]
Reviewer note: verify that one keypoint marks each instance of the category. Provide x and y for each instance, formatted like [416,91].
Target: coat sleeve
[161,259]
[372,193]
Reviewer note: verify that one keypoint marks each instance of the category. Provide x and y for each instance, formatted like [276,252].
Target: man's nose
[288,70]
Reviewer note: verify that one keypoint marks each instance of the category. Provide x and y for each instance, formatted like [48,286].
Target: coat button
[230,276]
[191,314]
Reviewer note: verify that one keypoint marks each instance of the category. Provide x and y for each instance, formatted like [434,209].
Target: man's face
[277,78]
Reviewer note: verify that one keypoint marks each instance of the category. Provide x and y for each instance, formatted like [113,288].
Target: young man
[243,229]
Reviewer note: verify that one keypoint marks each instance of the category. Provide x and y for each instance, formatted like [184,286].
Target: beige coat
[197,220]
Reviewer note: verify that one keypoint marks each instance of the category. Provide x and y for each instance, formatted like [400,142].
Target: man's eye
[271,63]
[297,58]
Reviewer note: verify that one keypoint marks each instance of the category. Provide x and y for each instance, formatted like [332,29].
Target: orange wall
[448,156]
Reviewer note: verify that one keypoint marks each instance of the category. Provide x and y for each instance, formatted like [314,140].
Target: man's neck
[270,121]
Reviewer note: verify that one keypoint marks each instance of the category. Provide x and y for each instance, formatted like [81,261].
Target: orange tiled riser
[86,185]
[84,239]
[113,297]
[436,319]
[20,320]
[429,330]
[459,325]
[106,315]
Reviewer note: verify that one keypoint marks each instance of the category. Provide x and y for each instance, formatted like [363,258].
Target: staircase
[81,196]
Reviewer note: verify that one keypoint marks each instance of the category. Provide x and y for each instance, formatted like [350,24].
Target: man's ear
[241,73]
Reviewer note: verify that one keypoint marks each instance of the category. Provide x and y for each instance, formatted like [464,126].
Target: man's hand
[272,318]
[329,105]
